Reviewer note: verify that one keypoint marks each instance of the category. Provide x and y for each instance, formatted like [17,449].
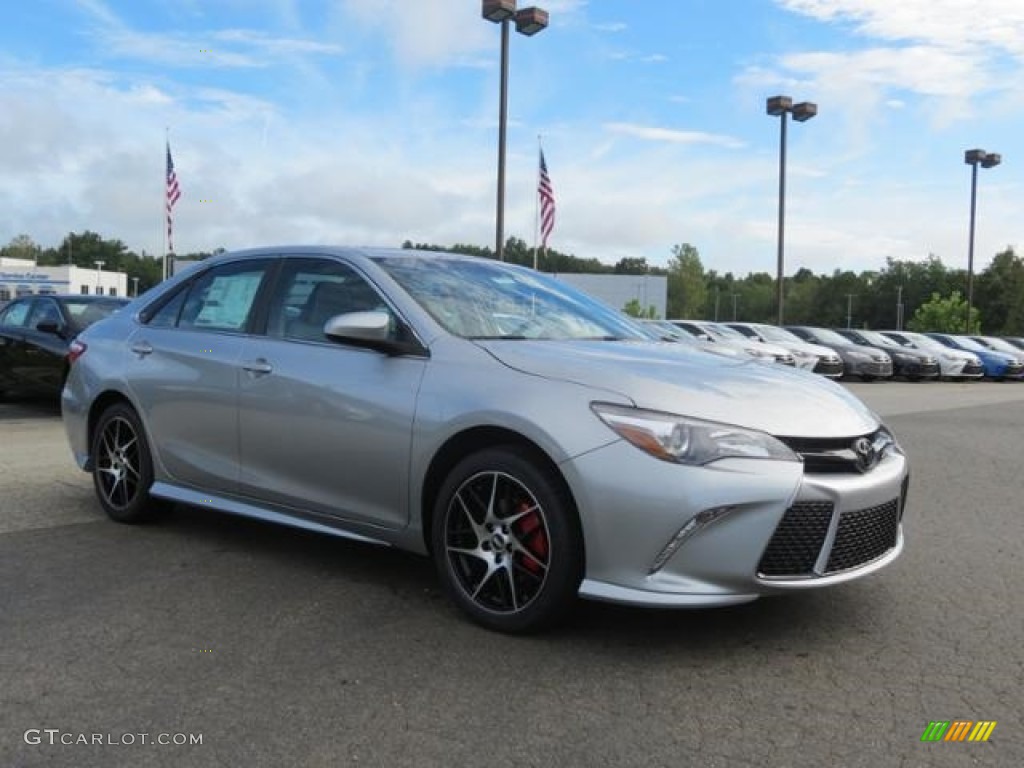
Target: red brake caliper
[534,538]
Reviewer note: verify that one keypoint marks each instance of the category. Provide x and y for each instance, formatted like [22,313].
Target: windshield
[921,341]
[879,338]
[825,336]
[970,344]
[85,313]
[1000,345]
[725,332]
[483,299]
[781,335]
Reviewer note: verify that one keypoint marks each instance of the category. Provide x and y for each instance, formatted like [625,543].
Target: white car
[728,337]
[953,363]
[808,356]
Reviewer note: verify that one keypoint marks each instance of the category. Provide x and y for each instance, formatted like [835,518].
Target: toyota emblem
[865,452]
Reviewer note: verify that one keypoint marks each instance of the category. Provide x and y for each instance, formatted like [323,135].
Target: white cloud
[653,133]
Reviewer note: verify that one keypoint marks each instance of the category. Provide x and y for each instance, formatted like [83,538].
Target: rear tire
[506,541]
[122,467]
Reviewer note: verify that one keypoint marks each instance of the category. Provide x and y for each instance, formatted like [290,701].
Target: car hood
[772,398]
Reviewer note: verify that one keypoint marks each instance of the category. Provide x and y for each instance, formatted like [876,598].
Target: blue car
[998,365]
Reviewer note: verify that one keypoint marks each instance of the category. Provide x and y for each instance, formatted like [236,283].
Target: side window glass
[312,291]
[15,315]
[222,299]
[167,315]
[43,311]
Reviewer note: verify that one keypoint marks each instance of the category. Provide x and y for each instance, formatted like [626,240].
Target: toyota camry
[530,440]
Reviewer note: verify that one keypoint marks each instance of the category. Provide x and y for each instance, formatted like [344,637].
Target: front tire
[506,541]
[122,472]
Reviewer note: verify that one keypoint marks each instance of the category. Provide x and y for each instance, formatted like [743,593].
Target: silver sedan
[529,439]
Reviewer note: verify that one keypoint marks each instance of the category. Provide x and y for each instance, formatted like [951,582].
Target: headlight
[684,440]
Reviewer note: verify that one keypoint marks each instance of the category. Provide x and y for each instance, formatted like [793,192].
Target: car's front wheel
[122,468]
[507,542]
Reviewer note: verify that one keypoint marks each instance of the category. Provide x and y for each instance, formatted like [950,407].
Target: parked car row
[867,355]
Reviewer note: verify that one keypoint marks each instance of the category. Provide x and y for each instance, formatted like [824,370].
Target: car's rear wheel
[122,468]
[506,541]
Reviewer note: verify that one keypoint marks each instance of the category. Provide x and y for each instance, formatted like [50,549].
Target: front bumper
[627,524]
[871,368]
[829,366]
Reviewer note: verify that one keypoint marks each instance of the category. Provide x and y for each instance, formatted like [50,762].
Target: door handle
[142,348]
[258,367]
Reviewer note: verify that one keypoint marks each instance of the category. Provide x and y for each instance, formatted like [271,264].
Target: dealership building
[21,277]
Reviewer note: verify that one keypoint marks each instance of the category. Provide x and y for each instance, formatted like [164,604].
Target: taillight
[75,351]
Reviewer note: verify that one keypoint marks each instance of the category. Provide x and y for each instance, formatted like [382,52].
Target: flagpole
[536,207]
[163,200]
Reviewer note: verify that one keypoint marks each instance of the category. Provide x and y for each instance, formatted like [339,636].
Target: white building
[619,290]
[19,277]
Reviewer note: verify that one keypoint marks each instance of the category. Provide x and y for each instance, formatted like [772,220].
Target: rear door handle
[142,348]
[258,367]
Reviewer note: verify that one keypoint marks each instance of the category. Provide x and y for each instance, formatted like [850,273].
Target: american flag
[173,193]
[547,202]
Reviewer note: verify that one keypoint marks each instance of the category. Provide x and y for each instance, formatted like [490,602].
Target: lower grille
[797,541]
[864,535]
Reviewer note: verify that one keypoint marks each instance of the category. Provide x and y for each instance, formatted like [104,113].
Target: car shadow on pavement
[408,584]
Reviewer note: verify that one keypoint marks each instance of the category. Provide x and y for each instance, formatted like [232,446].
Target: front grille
[1014,369]
[823,455]
[797,541]
[864,535]
[971,369]
[829,367]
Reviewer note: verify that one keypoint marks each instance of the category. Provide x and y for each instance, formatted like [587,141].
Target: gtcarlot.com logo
[54,736]
[958,730]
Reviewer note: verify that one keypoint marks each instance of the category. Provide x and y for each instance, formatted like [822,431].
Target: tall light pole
[780,106]
[99,266]
[974,158]
[529,21]
[849,309]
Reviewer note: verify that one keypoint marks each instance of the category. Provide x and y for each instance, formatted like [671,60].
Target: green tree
[1000,291]
[22,247]
[631,266]
[633,308]
[687,289]
[945,315]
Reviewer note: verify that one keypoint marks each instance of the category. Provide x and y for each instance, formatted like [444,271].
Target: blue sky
[375,121]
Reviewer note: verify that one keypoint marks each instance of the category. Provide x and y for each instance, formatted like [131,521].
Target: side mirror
[358,326]
[371,330]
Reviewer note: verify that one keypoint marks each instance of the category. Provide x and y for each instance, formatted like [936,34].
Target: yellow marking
[982,730]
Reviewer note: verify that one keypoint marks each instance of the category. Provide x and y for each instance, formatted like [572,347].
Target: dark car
[35,334]
[911,364]
[867,363]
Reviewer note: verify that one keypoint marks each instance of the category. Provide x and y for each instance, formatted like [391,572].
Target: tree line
[926,294]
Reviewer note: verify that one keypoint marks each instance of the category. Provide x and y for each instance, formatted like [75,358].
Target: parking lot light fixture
[780,106]
[528,21]
[974,158]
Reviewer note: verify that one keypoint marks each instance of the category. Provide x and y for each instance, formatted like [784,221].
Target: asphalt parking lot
[280,647]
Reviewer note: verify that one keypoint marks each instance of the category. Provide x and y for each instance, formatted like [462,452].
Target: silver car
[529,439]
